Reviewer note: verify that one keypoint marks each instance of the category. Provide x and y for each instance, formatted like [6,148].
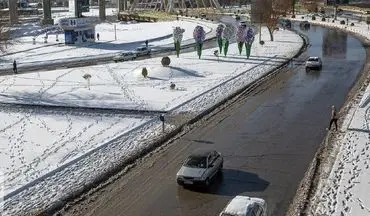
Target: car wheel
[180,183]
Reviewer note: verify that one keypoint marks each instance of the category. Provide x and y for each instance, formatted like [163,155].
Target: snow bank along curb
[307,186]
[102,177]
[58,169]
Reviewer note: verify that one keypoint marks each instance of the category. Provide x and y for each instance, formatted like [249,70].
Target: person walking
[15,67]
[98,36]
[334,118]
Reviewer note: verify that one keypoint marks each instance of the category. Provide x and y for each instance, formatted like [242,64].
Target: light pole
[259,14]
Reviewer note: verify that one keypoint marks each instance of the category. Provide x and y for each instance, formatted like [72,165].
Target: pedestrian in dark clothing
[334,118]
[97,36]
[15,67]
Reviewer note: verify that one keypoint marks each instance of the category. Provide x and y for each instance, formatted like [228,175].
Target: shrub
[323,19]
[313,18]
[342,22]
[302,17]
[196,17]
[172,86]
[166,61]
[293,16]
[352,24]
[332,21]
[144,72]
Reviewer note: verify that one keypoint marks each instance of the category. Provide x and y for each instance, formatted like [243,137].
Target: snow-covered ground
[129,36]
[346,190]
[200,83]
[122,86]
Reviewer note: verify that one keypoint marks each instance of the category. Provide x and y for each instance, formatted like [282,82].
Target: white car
[124,56]
[142,51]
[245,206]
[200,168]
[313,62]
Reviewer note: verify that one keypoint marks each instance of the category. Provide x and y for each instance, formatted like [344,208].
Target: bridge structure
[170,5]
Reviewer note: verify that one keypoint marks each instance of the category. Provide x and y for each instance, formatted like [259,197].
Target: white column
[13,13]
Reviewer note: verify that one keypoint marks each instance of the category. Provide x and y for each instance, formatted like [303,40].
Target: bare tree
[310,5]
[293,3]
[268,12]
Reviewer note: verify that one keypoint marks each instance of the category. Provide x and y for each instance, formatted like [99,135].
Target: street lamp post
[259,14]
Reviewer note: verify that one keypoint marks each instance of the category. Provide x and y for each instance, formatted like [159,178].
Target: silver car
[245,206]
[313,62]
[124,56]
[199,168]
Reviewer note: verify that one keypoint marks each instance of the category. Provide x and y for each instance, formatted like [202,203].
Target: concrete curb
[102,177]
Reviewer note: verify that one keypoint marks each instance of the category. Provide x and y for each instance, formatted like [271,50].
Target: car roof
[239,205]
[201,153]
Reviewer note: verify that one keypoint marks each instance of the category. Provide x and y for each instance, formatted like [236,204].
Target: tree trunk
[271,31]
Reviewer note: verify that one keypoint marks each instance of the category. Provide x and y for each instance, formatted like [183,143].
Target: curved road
[268,139]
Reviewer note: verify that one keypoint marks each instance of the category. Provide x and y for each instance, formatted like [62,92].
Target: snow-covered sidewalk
[52,152]
[346,190]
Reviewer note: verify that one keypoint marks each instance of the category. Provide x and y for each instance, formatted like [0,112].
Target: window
[313,59]
[196,162]
[254,211]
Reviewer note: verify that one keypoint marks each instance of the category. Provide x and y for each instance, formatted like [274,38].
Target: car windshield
[313,59]
[196,162]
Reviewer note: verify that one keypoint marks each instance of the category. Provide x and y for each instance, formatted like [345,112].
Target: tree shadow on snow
[185,71]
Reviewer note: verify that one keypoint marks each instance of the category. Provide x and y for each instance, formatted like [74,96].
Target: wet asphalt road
[268,140]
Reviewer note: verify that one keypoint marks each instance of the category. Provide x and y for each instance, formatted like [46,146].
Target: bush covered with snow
[166,61]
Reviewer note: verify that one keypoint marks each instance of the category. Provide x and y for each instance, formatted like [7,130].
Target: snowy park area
[122,85]
[129,36]
[345,191]
[61,137]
